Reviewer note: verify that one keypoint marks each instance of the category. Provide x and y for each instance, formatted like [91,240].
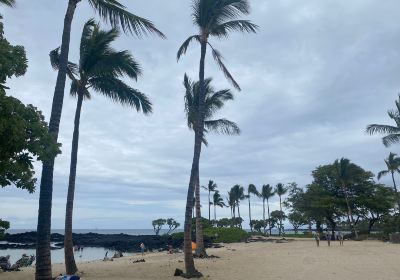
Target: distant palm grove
[341,195]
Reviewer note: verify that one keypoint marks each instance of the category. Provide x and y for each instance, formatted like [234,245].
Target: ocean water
[88,253]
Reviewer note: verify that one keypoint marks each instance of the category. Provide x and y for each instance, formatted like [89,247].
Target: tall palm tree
[393,165]
[238,195]
[344,172]
[280,190]
[392,132]
[116,14]
[251,189]
[231,203]
[217,201]
[266,194]
[216,18]
[100,69]
[10,3]
[211,187]
[215,100]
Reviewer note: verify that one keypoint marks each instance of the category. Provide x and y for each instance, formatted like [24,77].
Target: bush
[226,235]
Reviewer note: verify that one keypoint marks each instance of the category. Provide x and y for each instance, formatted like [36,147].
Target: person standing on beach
[142,248]
[328,238]
[340,237]
[316,236]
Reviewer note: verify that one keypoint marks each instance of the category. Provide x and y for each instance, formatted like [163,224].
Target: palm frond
[118,91]
[10,3]
[223,29]
[391,139]
[222,126]
[218,58]
[72,68]
[380,128]
[182,50]
[116,14]
[86,40]
[382,173]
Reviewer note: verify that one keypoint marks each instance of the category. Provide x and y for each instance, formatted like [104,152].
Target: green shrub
[226,235]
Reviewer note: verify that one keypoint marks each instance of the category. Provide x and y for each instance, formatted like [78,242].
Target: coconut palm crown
[393,166]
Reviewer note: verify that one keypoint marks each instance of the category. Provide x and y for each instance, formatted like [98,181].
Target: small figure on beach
[328,237]
[142,247]
[340,236]
[316,237]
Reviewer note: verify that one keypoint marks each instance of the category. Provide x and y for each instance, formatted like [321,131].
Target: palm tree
[217,201]
[116,14]
[393,132]
[10,3]
[216,18]
[100,69]
[238,195]
[231,203]
[344,171]
[266,194]
[215,100]
[251,189]
[211,187]
[393,165]
[280,190]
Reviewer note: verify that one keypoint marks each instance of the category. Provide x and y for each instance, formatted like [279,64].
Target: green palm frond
[222,126]
[391,139]
[116,14]
[280,189]
[183,48]
[380,128]
[267,191]
[10,3]
[72,68]
[118,91]
[382,173]
[218,59]
[252,189]
[224,29]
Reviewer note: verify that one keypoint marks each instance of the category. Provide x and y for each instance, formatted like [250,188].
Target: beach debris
[117,254]
[139,261]
[67,277]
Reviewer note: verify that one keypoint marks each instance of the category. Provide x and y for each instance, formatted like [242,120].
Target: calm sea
[88,254]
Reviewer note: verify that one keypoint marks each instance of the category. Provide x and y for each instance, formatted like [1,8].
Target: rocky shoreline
[120,242]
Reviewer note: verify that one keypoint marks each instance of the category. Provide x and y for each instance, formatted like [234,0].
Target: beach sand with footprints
[297,259]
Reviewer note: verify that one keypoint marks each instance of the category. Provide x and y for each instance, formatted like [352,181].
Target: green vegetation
[4,225]
[226,235]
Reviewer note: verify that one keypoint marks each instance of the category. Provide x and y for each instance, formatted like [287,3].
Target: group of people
[328,237]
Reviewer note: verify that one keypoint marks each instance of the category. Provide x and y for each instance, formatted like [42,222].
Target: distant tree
[266,194]
[277,218]
[392,132]
[297,220]
[251,189]
[237,222]
[217,201]
[158,224]
[4,225]
[231,201]
[393,166]
[224,222]
[238,195]
[258,225]
[211,187]
[172,225]
[280,190]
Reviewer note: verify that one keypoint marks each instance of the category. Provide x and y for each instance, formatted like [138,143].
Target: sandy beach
[298,259]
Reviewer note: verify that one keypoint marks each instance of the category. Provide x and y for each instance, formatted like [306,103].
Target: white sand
[299,259]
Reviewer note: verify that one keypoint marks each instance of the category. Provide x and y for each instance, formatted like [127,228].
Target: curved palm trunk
[349,212]
[200,250]
[194,174]
[280,219]
[251,225]
[215,212]
[269,221]
[43,255]
[70,265]
[396,192]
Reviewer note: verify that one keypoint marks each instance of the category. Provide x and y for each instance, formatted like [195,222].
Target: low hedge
[226,235]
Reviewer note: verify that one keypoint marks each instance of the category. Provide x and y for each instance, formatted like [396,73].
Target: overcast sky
[312,78]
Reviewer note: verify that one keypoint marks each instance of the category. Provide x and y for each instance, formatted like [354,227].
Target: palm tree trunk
[396,192]
[70,265]
[43,255]
[269,221]
[251,226]
[189,262]
[264,213]
[200,250]
[349,212]
[215,213]
[209,206]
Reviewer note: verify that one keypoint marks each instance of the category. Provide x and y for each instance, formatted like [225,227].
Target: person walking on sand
[316,237]
[340,235]
[142,247]
[328,238]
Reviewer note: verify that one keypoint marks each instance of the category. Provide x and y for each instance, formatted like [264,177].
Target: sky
[312,78]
